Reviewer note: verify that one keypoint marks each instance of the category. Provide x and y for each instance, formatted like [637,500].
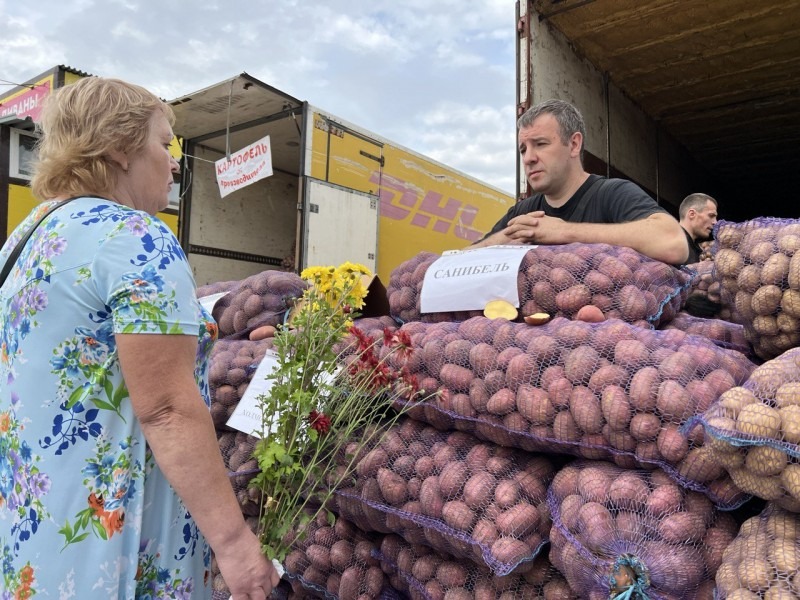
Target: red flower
[319,422]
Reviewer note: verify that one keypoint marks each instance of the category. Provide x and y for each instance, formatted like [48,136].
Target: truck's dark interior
[723,78]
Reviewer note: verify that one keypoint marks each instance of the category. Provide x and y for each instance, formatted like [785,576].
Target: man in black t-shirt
[698,213]
[572,206]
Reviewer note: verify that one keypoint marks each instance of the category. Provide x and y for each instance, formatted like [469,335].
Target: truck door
[341,225]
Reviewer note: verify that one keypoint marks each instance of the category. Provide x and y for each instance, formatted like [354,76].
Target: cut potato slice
[499,309]
[537,319]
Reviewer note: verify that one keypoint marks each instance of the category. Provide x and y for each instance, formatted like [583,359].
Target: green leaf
[99,530]
[103,404]
[74,397]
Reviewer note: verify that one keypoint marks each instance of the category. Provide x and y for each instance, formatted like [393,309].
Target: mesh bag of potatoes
[560,280]
[753,431]
[723,333]
[759,273]
[216,288]
[607,390]
[261,299]
[335,561]
[426,574]
[449,491]
[628,533]
[762,562]
[237,455]
[232,364]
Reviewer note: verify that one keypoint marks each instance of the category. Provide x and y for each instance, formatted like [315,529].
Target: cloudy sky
[437,76]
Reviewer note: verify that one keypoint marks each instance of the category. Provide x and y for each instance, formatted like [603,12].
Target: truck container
[679,97]
[338,192]
[20,108]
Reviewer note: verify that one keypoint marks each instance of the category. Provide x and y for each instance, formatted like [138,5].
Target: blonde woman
[111,481]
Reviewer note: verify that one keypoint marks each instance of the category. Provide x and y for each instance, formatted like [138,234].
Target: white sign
[246,417]
[209,302]
[246,166]
[469,279]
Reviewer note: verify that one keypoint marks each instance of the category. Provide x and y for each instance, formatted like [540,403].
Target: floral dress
[85,512]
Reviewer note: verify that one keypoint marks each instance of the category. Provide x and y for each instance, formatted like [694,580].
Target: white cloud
[436,77]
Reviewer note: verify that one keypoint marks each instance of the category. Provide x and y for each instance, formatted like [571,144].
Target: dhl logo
[400,200]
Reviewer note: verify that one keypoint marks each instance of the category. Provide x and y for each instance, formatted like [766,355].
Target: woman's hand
[248,574]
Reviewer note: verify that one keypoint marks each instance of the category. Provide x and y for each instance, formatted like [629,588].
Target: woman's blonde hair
[81,125]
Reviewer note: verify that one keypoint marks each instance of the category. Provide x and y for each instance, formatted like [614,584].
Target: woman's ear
[120,158]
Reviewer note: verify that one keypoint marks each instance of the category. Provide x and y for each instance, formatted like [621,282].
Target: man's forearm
[657,238]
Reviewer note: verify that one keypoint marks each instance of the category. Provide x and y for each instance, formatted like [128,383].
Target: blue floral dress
[84,510]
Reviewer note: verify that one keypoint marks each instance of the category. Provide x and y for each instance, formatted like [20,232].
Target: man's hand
[537,228]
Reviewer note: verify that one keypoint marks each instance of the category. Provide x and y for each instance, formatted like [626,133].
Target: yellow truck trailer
[337,192]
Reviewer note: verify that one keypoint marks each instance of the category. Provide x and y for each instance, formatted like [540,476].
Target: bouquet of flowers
[323,405]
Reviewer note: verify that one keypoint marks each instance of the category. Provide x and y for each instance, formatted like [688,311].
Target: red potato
[519,520]
[534,404]
[502,402]
[458,515]
[645,426]
[520,370]
[580,363]
[479,489]
[455,377]
[590,313]
[483,358]
[572,299]
[452,478]
[616,407]
[673,402]
[597,525]
[593,483]
[585,410]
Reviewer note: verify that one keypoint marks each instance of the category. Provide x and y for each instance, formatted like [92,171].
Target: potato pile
[237,455]
[723,333]
[609,390]
[425,574]
[231,367]
[704,284]
[453,493]
[560,280]
[261,299]
[707,253]
[335,562]
[634,525]
[758,269]
[754,431]
[762,562]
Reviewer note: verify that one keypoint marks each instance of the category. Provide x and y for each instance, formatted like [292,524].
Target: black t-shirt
[694,250]
[610,201]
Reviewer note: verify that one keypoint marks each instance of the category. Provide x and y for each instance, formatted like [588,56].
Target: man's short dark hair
[568,117]
[696,201]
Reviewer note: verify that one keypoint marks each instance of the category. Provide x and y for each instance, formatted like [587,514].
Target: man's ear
[120,158]
[575,144]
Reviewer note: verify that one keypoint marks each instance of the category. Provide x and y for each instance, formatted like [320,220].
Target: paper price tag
[469,279]
[246,417]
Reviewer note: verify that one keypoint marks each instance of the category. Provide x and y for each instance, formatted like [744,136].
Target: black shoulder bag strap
[21,244]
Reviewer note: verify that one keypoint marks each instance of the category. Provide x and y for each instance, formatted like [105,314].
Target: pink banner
[27,103]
